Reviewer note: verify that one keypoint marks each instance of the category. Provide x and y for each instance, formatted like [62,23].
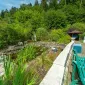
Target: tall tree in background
[81,4]
[30,4]
[71,2]
[2,14]
[13,10]
[53,4]
[36,3]
[44,4]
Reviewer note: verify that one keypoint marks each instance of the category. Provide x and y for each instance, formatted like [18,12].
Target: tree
[44,4]
[36,3]
[13,10]
[53,4]
[23,15]
[30,4]
[25,6]
[36,20]
[81,4]
[55,19]
[2,14]
[79,26]
[66,2]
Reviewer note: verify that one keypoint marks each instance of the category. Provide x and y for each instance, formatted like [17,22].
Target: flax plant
[8,66]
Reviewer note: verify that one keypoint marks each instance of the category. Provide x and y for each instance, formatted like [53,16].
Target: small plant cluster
[30,52]
[16,74]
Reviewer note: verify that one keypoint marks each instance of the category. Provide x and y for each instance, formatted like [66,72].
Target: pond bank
[15,48]
[41,64]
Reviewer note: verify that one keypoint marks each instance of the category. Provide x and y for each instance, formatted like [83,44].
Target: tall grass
[27,54]
[19,76]
[1,81]
[8,66]
[16,74]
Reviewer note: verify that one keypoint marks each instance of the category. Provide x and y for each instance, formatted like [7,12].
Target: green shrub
[55,19]
[16,74]
[55,35]
[82,35]
[2,44]
[24,31]
[19,75]
[8,36]
[65,39]
[42,34]
[28,53]
[8,66]
[78,26]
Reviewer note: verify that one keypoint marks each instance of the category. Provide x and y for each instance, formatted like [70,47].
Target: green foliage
[23,15]
[44,4]
[55,19]
[23,32]
[28,53]
[18,24]
[13,10]
[71,14]
[82,35]
[59,36]
[1,81]
[42,34]
[16,74]
[8,66]
[78,26]
[55,35]
[53,4]
[19,76]
[36,2]
[7,36]
[2,14]
[65,39]
[2,44]
[36,20]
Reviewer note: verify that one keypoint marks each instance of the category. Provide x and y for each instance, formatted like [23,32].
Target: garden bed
[30,64]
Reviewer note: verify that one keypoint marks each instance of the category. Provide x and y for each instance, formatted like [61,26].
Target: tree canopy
[48,15]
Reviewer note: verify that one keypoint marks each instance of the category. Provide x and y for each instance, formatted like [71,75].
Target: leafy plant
[1,81]
[55,35]
[65,39]
[28,53]
[42,34]
[8,66]
[19,76]
[16,76]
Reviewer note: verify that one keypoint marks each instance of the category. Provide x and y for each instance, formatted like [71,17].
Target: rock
[11,48]
[20,43]
[25,42]
[54,49]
